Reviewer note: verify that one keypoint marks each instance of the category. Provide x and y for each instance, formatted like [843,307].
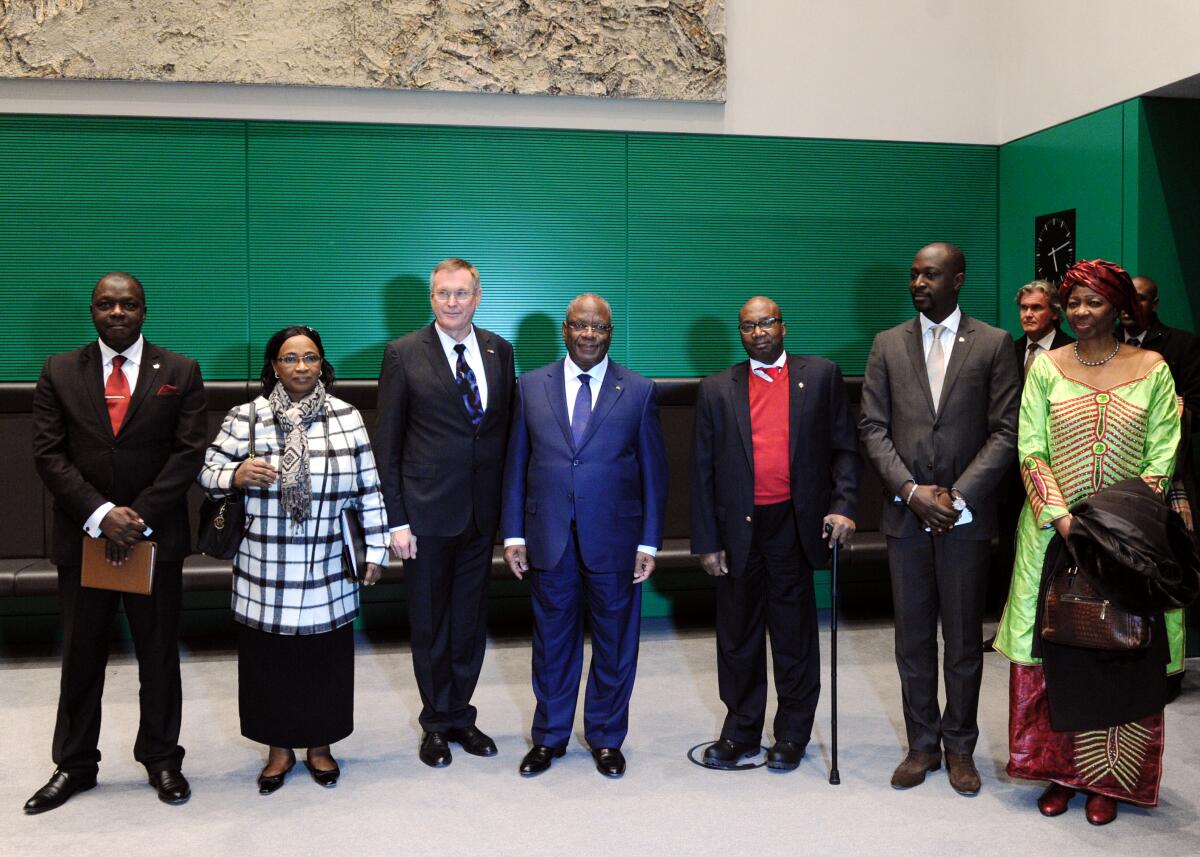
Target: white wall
[1065,58]
[964,71]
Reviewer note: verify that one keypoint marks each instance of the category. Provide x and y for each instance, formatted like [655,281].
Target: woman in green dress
[1092,414]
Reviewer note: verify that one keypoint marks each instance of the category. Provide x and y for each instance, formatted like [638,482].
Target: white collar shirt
[759,368]
[473,357]
[132,364]
[571,374]
[949,334]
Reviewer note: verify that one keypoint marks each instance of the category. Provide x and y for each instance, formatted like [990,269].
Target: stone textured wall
[656,49]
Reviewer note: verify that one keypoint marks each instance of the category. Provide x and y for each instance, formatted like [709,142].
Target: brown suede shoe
[912,770]
[964,778]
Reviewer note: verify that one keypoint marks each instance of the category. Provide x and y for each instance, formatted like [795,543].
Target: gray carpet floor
[389,803]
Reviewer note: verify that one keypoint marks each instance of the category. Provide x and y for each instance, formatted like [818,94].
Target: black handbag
[223,522]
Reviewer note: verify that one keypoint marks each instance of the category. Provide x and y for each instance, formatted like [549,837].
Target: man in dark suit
[1040,320]
[585,492]
[1181,349]
[774,461]
[445,395]
[939,424]
[118,438]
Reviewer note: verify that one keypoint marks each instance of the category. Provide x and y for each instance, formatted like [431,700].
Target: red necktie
[773,371]
[116,394]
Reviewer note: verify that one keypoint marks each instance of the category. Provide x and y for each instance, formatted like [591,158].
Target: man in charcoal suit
[118,437]
[774,461]
[939,424]
[445,393]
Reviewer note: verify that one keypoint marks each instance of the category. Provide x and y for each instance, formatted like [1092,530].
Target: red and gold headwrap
[1109,280]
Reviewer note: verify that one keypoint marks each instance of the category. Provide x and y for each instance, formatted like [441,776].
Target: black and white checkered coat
[288,579]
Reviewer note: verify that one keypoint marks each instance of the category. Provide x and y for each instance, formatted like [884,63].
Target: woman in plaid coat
[294,604]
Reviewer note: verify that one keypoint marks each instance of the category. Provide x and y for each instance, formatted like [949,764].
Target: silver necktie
[935,365]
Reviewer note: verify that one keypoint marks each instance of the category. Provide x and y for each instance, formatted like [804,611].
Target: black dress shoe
[329,778]
[435,752]
[538,759]
[726,754]
[268,784]
[472,741]
[58,791]
[784,756]
[172,786]
[609,761]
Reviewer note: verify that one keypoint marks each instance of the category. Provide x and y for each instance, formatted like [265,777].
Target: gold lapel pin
[155,365]
[962,339]
[490,350]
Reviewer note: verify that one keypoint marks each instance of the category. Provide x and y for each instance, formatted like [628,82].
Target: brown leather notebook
[136,575]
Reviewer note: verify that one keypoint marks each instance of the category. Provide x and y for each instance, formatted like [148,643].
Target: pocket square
[167,390]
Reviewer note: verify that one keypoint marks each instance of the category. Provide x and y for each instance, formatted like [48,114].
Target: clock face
[1054,245]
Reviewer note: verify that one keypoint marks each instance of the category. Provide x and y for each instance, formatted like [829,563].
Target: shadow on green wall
[537,342]
[709,345]
[404,307]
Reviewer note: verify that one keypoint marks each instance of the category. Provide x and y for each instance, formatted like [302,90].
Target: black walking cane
[835,778]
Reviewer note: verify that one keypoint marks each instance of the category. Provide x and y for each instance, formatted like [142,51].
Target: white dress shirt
[759,368]
[571,374]
[949,335]
[131,366]
[1042,344]
[472,355]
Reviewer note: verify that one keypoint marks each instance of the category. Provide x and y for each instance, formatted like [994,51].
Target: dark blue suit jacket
[616,480]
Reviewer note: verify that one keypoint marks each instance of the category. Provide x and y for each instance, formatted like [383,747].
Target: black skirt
[296,690]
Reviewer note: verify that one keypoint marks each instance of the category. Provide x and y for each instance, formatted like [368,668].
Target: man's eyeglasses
[581,326]
[293,359]
[442,296]
[767,325]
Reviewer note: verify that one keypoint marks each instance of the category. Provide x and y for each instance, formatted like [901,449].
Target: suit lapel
[798,382]
[491,370]
[739,390]
[963,340]
[606,399]
[916,355]
[442,371]
[556,395]
[91,370]
[147,374]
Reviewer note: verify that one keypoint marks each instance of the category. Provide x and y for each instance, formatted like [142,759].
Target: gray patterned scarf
[295,483]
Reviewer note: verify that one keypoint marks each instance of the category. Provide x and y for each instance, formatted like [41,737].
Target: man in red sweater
[774,460]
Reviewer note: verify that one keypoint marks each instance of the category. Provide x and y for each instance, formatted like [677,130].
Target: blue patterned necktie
[464,377]
[583,409]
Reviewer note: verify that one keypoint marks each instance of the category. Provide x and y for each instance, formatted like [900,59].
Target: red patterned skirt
[1122,762]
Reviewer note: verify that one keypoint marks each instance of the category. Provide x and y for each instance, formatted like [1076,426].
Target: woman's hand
[374,572]
[254,473]
[1063,525]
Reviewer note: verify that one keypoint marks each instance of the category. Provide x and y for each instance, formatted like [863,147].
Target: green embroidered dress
[1073,441]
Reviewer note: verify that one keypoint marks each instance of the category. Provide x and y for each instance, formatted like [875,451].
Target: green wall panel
[1079,164]
[347,221]
[164,200]
[826,228]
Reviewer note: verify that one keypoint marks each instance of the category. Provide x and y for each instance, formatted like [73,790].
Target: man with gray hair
[1040,319]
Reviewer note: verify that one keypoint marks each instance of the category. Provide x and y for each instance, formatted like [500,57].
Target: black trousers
[773,592]
[154,625]
[942,578]
[446,585]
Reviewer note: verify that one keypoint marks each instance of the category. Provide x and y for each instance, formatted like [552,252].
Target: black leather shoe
[266,784]
[329,778]
[58,791]
[609,762]
[784,756]
[538,759]
[172,786]
[435,752]
[727,754]
[472,741]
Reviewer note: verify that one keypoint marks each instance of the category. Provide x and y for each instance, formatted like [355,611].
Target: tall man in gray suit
[939,424]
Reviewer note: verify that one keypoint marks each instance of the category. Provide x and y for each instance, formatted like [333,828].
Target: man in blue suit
[585,490]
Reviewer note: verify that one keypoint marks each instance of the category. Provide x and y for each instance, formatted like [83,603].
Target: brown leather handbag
[1076,614]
